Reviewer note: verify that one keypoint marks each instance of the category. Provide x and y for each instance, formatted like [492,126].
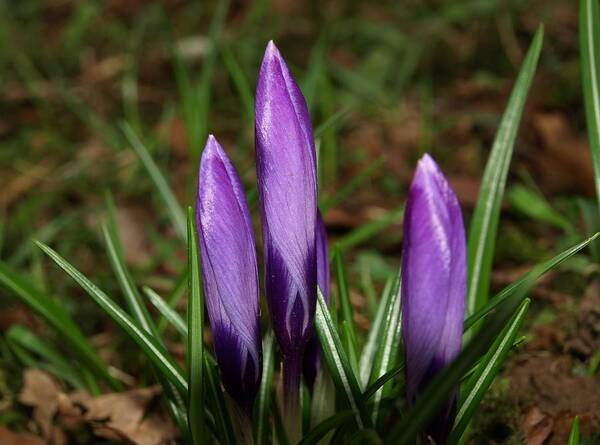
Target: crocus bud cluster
[296,255]
[287,185]
[434,285]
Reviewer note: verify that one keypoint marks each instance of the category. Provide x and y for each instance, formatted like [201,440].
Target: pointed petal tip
[272,54]
[212,148]
[427,163]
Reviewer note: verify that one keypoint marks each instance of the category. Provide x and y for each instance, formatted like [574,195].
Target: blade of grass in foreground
[167,311]
[574,436]
[338,362]
[389,346]
[407,429]
[480,381]
[138,310]
[349,334]
[484,225]
[589,46]
[59,319]
[535,273]
[165,192]
[21,337]
[145,341]
[195,345]
[367,355]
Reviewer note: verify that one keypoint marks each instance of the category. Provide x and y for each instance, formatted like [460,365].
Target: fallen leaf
[40,391]
[537,427]
[8,437]
[122,416]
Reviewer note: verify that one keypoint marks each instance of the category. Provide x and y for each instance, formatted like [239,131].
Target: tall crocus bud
[312,354]
[286,171]
[434,277]
[230,274]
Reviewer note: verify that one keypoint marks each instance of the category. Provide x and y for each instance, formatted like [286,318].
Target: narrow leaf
[484,224]
[167,311]
[389,346]
[263,401]
[480,381]
[347,311]
[59,319]
[145,341]
[195,346]
[367,355]
[161,184]
[589,47]
[338,362]
[535,273]
[574,436]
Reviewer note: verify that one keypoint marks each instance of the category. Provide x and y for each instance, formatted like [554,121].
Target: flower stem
[292,372]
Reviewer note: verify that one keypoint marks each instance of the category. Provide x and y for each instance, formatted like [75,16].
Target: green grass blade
[369,230]
[534,205]
[367,355]
[58,319]
[240,81]
[262,406]
[173,299]
[574,435]
[389,346]
[57,364]
[145,341]
[591,219]
[377,384]
[484,224]
[589,46]
[322,429]
[223,425]
[195,346]
[167,311]
[338,363]
[535,273]
[159,180]
[347,311]
[138,309]
[348,188]
[480,381]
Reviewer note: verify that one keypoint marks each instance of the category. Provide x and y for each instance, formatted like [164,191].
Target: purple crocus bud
[313,350]
[230,274]
[287,183]
[434,277]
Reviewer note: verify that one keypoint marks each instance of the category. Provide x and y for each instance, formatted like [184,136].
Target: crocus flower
[434,276]
[287,184]
[230,275]
[312,353]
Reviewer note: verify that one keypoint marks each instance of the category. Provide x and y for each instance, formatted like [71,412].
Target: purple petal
[313,349]
[230,275]
[433,279]
[287,183]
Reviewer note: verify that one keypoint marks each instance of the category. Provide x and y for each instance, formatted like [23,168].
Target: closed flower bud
[287,184]
[434,276]
[230,275]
